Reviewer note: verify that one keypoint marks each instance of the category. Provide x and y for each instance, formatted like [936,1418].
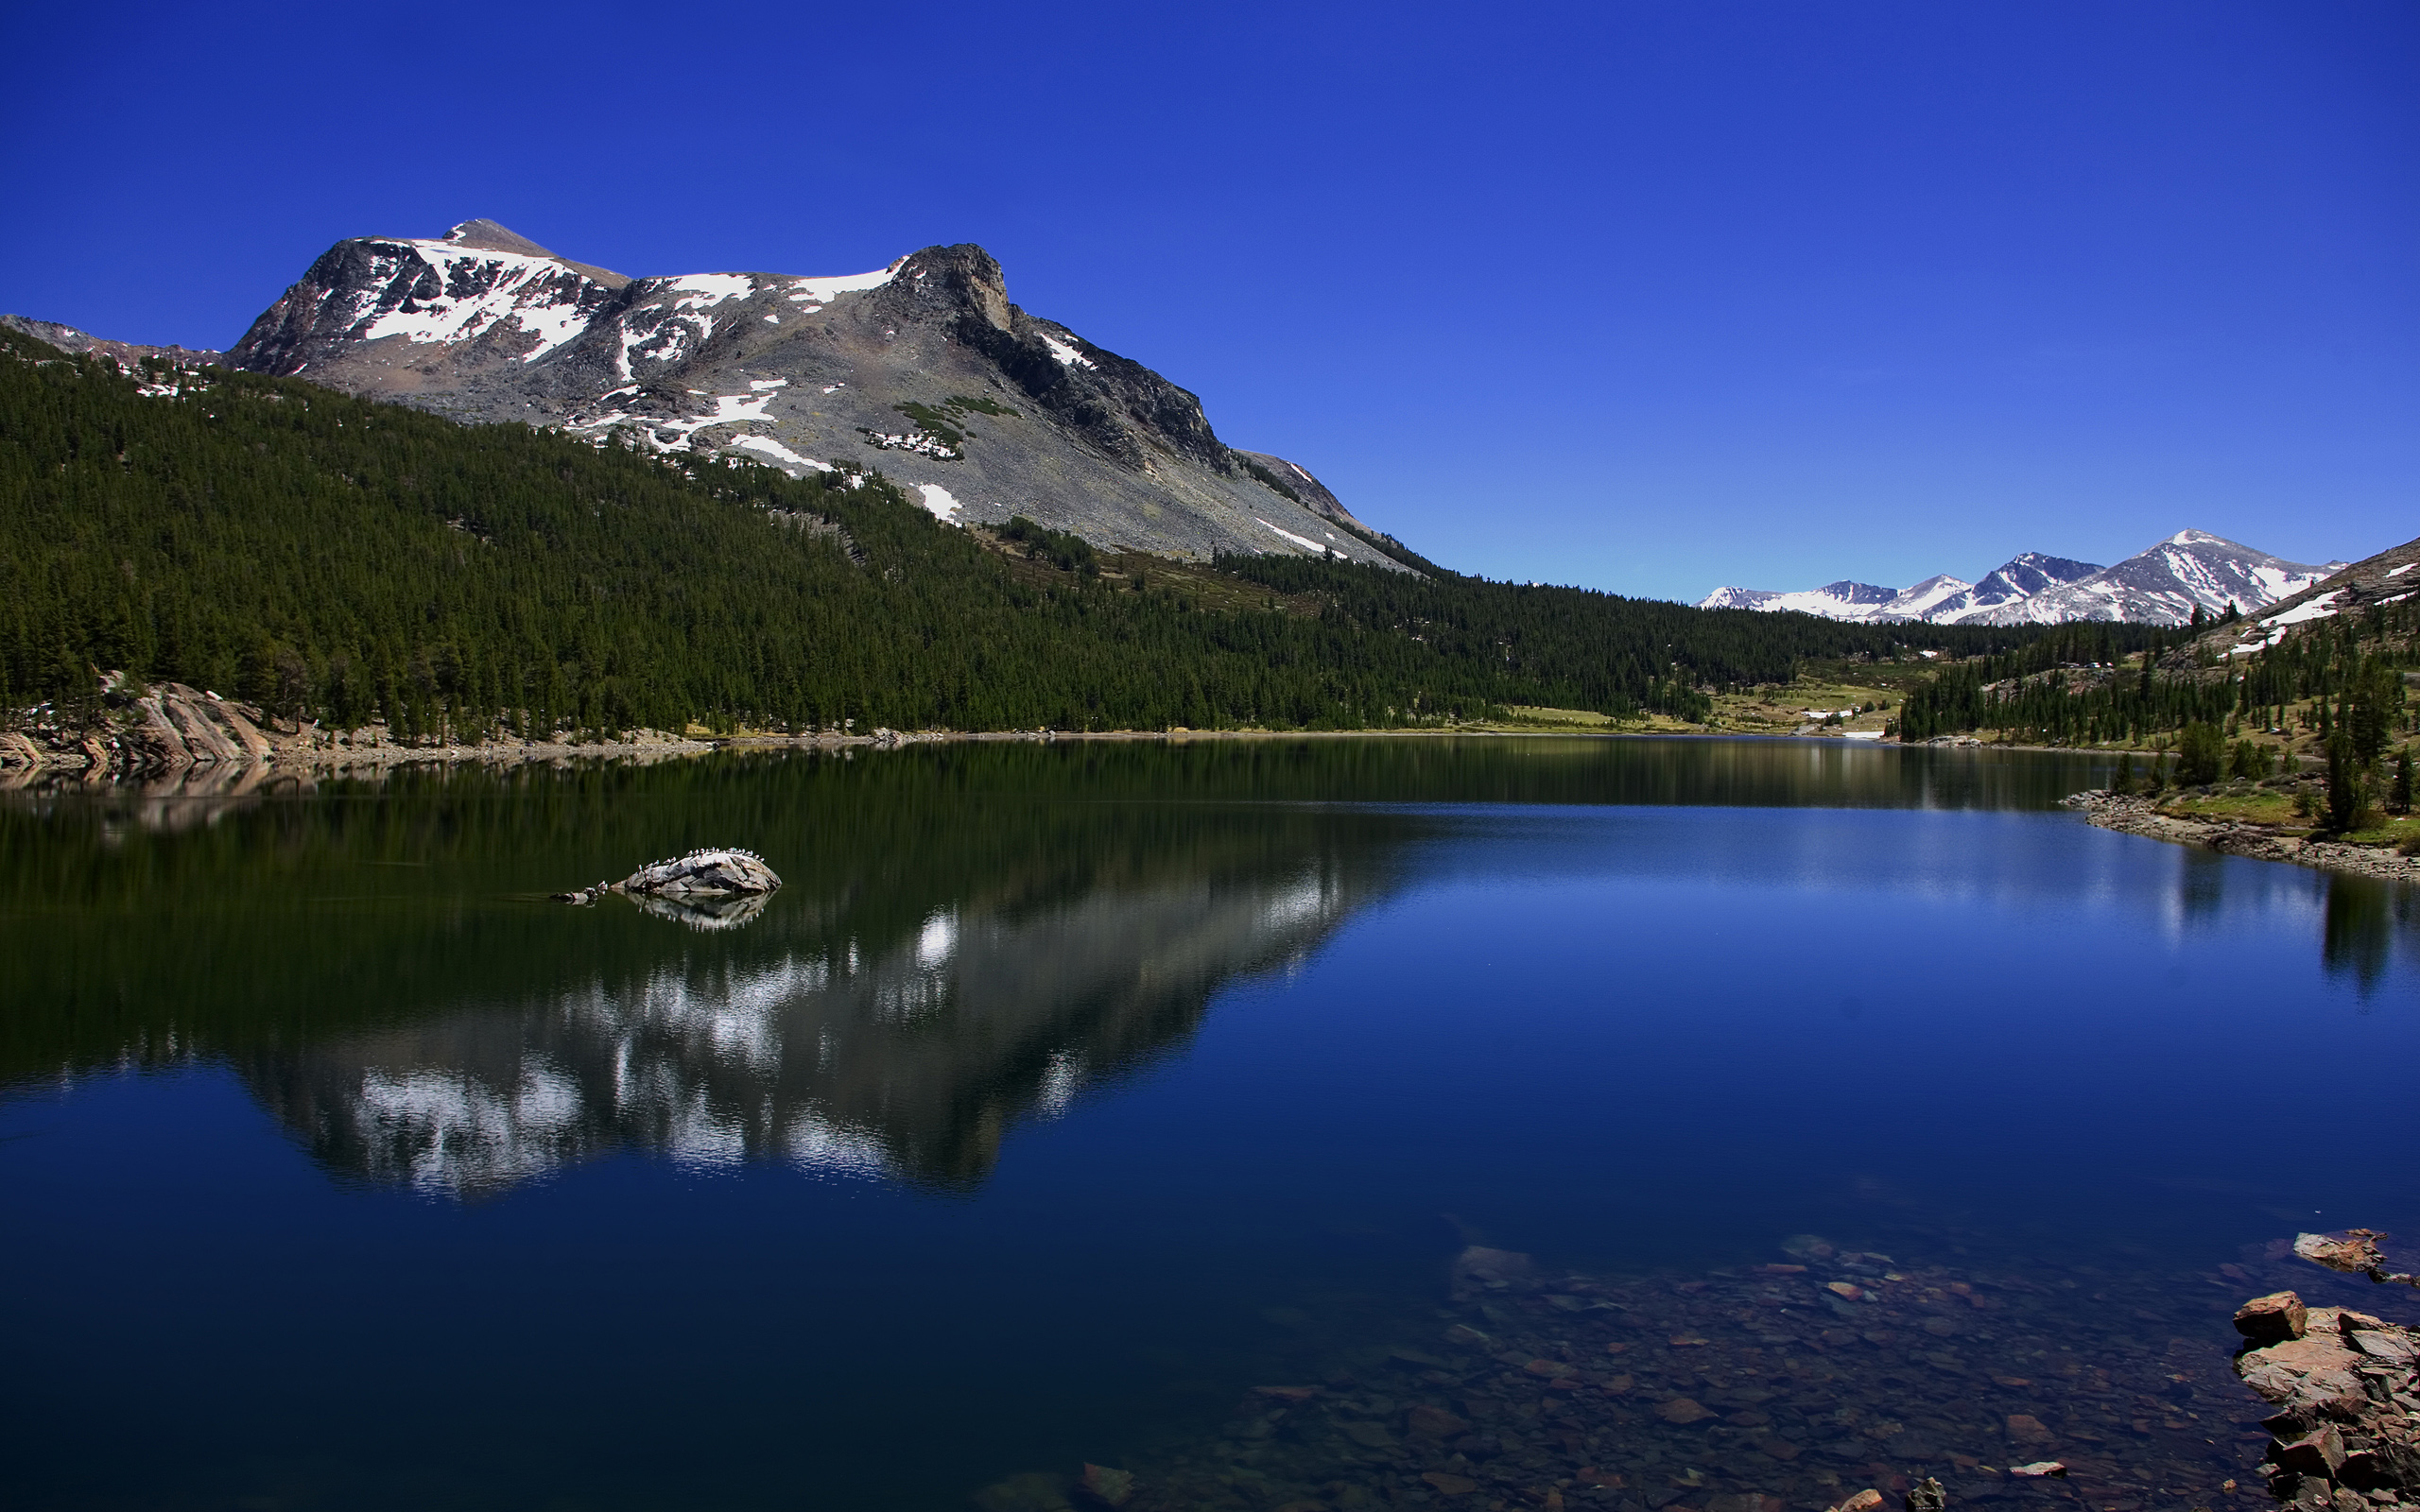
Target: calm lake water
[1068,1093]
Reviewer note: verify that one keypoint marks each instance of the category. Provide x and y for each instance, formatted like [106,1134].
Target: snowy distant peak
[2027,574]
[1843,600]
[2163,585]
[1921,601]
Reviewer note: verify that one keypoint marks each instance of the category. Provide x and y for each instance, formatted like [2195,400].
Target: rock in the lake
[2271,1319]
[1108,1487]
[2041,1467]
[2320,1452]
[1682,1411]
[2344,1383]
[2024,1428]
[1479,1266]
[1865,1500]
[1926,1496]
[1032,1492]
[1436,1423]
[707,873]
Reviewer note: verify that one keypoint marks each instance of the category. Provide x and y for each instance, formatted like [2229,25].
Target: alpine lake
[1327,1124]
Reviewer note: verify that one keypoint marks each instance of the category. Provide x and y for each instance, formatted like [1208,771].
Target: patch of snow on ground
[2397,572]
[698,290]
[760,385]
[729,409]
[2399,597]
[834,389]
[1303,542]
[821,290]
[2323,607]
[780,454]
[916,441]
[1069,357]
[1305,476]
[937,499]
[2274,627]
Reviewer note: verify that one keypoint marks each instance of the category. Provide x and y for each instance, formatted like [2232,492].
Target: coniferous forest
[334,558]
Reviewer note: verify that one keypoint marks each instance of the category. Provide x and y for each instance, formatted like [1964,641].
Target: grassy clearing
[1576,718]
[1779,709]
[2257,806]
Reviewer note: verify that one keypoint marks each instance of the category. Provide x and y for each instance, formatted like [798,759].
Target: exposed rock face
[2346,1433]
[181,727]
[924,369]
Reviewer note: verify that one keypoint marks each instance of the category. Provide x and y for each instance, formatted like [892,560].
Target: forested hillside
[2070,689]
[334,558]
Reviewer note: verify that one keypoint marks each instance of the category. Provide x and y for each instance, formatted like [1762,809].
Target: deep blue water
[1050,1106]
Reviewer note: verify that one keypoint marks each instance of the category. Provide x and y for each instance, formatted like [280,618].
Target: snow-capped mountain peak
[922,367]
[2161,584]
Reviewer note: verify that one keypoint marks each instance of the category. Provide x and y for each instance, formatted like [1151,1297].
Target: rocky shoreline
[1829,1377]
[2346,1436]
[2134,814]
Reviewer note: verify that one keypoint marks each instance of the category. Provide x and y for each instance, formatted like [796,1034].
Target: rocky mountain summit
[924,369]
[2162,585]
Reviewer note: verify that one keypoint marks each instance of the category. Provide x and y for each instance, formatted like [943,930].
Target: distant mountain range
[2164,585]
[922,367]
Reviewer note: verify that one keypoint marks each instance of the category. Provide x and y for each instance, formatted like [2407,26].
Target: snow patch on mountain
[937,499]
[779,453]
[463,292]
[1303,542]
[1067,355]
[699,290]
[823,291]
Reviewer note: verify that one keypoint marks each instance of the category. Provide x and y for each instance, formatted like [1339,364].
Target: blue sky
[1647,296]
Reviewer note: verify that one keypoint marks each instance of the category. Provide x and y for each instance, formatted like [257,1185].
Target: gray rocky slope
[923,368]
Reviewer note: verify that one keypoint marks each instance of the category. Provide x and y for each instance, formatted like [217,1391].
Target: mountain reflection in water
[907,1057]
[937,1173]
[969,936]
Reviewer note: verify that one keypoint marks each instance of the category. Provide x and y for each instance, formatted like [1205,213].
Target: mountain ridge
[924,368]
[2167,583]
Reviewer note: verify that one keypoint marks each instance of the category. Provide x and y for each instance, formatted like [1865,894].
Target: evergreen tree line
[331,558]
[1578,648]
[2348,669]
